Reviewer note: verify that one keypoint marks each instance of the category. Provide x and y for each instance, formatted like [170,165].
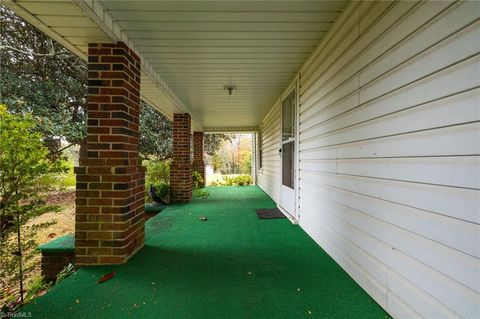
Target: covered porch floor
[231,266]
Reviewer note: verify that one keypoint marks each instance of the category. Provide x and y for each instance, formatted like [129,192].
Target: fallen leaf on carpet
[106,277]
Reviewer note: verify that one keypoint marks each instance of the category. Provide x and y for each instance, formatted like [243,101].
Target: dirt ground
[64,220]
[64,224]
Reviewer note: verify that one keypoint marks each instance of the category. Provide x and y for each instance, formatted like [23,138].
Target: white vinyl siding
[389,153]
[269,176]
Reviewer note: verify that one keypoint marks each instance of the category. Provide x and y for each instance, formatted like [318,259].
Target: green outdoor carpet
[231,266]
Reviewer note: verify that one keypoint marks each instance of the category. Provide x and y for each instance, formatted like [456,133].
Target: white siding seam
[470,58]
[466,60]
[413,232]
[461,289]
[383,199]
[387,287]
[389,135]
[347,259]
[309,76]
[424,50]
[397,44]
[313,78]
[330,36]
[399,157]
[392,179]
[357,40]
[386,115]
[383,137]
[397,250]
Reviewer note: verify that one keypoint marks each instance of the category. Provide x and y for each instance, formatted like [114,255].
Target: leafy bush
[197,179]
[157,171]
[64,179]
[162,191]
[243,180]
[197,182]
[37,287]
[240,180]
[66,272]
[227,181]
[68,179]
[24,166]
[201,193]
[158,176]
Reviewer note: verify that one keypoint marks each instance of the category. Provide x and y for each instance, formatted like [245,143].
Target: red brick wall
[181,167]
[54,263]
[110,181]
[198,158]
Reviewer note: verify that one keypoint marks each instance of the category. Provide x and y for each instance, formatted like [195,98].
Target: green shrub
[62,180]
[69,177]
[157,171]
[158,175]
[36,287]
[197,181]
[240,180]
[162,190]
[227,181]
[201,193]
[243,180]
[25,165]
[66,272]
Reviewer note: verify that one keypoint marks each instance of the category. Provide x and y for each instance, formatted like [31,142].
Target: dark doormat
[269,213]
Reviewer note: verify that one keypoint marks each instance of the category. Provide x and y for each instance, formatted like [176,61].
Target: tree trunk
[20,257]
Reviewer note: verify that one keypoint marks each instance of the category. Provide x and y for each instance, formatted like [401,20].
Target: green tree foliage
[41,77]
[155,134]
[158,176]
[212,142]
[24,165]
[234,156]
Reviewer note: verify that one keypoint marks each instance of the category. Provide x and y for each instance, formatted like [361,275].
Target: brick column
[54,262]
[181,167]
[110,200]
[198,161]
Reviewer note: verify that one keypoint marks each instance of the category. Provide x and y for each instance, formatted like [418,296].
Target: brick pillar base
[198,161]
[54,262]
[110,181]
[181,166]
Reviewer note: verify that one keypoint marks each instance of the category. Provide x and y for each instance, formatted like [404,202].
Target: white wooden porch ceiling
[197,47]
